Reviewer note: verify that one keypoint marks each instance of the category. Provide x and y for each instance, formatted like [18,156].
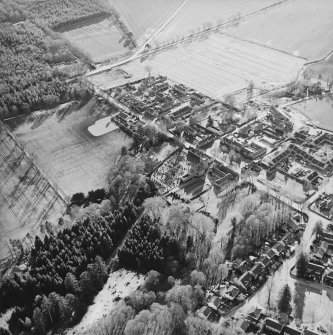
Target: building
[256,270]
[328,278]
[231,293]
[214,302]
[310,332]
[291,331]
[246,279]
[273,326]
[204,312]
[316,270]
[255,314]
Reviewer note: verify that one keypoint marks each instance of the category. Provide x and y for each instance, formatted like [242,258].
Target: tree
[318,229]
[152,280]
[139,300]
[181,295]
[71,283]
[197,326]
[302,265]
[284,302]
[197,278]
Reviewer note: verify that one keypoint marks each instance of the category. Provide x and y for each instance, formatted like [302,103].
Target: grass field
[99,40]
[26,197]
[196,13]
[143,17]
[302,27]
[217,66]
[65,150]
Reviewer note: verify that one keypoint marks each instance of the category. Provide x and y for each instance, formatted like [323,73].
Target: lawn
[68,154]
[143,17]
[301,27]
[218,65]
[196,13]
[100,40]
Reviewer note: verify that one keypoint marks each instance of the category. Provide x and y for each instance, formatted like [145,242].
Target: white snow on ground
[5,317]
[120,284]
[102,126]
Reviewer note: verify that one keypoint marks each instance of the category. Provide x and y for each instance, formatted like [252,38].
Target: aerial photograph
[166,167]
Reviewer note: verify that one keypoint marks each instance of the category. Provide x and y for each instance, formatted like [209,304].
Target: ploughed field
[101,40]
[196,13]
[143,17]
[26,196]
[301,27]
[215,66]
[69,155]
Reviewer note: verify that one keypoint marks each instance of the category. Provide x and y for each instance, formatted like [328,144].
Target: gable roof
[255,313]
[271,253]
[315,267]
[264,261]
[291,331]
[205,310]
[256,269]
[274,324]
[309,332]
[232,291]
[245,278]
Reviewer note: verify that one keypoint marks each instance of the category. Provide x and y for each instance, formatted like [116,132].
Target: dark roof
[255,313]
[206,311]
[265,261]
[270,253]
[244,325]
[232,291]
[291,331]
[256,269]
[309,332]
[315,267]
[274,324]
[245,278]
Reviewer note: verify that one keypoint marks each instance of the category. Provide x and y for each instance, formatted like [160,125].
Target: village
[216,145]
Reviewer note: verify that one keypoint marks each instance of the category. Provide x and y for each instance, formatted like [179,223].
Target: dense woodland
[59,13]
[62,264]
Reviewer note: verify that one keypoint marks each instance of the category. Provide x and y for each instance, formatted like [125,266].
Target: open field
[26,197]
[323,69]
[196,13]
[99,40]
[301,27]
[215,66]
[143,17]
[120,284]
[65,150]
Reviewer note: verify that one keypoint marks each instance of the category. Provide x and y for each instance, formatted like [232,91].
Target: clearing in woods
[301,27]
[196,13]
[143,17]
[26,197]
[215,66]
[68,154]
[101,40]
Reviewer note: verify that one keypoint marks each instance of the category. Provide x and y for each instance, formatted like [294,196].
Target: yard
[301,27]
[145,16]
[68,154]
[196,13]
[215,66]
[100,40]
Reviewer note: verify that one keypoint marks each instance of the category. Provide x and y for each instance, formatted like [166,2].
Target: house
[255,314]
[291,331]
[246,278]
[264,261]
[243,324]
[273,326]
[310,332]
[328,278]
[315,270]
[204,312]
[279,247]
[231,292]
[272,253]
[244,266]
[214,302]
[256,270]
[328,237]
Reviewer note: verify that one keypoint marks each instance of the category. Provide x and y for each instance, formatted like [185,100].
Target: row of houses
[248,276]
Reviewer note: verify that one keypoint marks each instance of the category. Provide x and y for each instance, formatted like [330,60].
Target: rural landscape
[166,167]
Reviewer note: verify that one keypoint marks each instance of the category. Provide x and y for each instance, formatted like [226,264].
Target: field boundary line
[59,192]
[264,45]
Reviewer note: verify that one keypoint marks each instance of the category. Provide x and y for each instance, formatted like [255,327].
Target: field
[216,66]
[196,13]
[26,197]
[323,69]
[286,27]
[99,40]
[143,17]
[68,154]
[120,284]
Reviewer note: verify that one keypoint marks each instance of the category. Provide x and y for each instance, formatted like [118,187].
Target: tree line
[60,13]
[65,269]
